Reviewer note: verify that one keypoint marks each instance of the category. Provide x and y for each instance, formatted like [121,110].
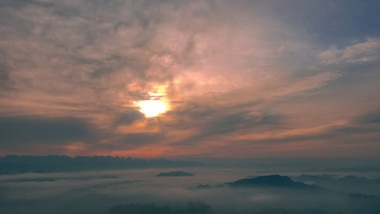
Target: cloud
[129,117]
[231,72]
[4,77]
[364,52]
[370,118]
[27,132]
[141,138]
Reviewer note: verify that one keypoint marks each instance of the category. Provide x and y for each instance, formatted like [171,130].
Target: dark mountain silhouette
[12,164]
[269,181]
[173,174]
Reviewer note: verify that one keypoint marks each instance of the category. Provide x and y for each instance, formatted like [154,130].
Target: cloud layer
[242,78]
[130,190]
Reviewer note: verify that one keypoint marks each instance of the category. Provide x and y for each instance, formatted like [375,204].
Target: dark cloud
[373,118]
[129,117]
[362,126]
[229,123]
[216,122]
[14,164]
[223,119]
[357,130]
[5,69]
[30,131]
[4,77]
[366,124]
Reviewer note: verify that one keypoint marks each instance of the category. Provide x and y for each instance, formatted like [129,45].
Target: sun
[152,108]
[157,102]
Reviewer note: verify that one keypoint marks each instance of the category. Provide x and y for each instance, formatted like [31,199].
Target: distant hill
[269,181]
[174,173]
[12,164]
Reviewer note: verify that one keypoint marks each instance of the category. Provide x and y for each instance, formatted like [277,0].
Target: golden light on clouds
[156,105]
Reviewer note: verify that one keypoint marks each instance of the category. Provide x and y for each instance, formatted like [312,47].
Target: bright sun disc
[152,108]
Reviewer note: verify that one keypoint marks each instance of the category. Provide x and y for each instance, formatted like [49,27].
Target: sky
[202,78]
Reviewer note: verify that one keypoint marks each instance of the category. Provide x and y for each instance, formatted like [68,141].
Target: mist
[191,189]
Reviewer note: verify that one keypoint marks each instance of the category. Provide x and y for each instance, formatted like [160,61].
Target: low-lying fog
[198,190]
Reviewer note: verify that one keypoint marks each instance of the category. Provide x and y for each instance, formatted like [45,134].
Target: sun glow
[157,104]
[152,108]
